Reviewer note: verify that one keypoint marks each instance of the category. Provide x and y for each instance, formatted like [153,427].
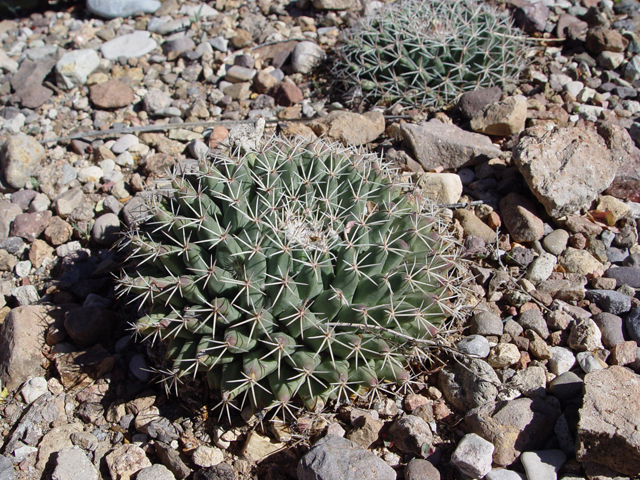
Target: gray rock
[173,26]
[132,45]
[562,360]
[608,427]
[89,325]
[220,43]
[106,229]
[237,74]
[474,345]
[609,300]
[33,389]
[533,320]
[170,458]
[514,426]
[543,464]
[468,383]
[567,168]
[8,213]
[6,469]
[73,464]
[566,386]
[541,268]
[504,474]
[179,44]
[632,323]
[418,469]
[435,143]
[19,159]
[472,103]
[332,456]
[611,328]
[75,67]
[411,434]
[306,56]
[121,8]
[155,472]
[486,323]
[25,295]
[556,241]
[624,275]
[589,362]
[473,456]
[333,4]
[565,437]
[85,440]
[139,367]
[531,382]
[125,142]
[155,100]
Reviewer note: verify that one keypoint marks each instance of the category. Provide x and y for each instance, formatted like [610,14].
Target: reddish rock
[287,94]
[30,225]
[624,353]
[519,215]
[111,94]
[58,231]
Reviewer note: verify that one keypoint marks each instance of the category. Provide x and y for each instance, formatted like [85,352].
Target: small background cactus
[297,272]
[428,52]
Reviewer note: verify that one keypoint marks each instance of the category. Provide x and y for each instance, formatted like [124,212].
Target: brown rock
[264,81]
[502,118]
[111,94]
[472,225]
[287,94]
[58,231]
[30,225]
[520,218]
[241,39]
[21,342]
[83,368]
[600,39]
[156,166]
[610,420]
[125,461]
[514,426]
[623,353]
[295,129]
[365,432]
[38,252]
[350,128]
[89,325]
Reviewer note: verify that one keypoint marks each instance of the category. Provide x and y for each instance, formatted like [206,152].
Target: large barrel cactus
[429,52]
[295,274]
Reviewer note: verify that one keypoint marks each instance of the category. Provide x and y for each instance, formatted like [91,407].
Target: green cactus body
[295,273]
[429,52]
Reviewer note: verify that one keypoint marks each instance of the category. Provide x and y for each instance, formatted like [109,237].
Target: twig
[461,204]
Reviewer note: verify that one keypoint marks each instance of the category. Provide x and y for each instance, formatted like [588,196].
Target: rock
[600,39]
[611,328]
[132,45]
[33,389]
[624,353]
[541,268]
[74,67]
[27,82]
[566,386]
[531,382]
[224,471]
[580,262]
[333,4]
[434,144]
[365,431]
[562,360]
[156,472]
[205,456]
[21,340]
[468,384]
[126,460]
[543,464]
[89,325]
[350,128]
[332,456]
[503,355]
[287,94]
[258,447]
[585,336]
[624,276]
[6,469]
[472,225]
[155,100]
[502,118]
[111,94]
[25,295]
[632,323]
[57,439]
[519,216]
[8,213]
[532,17]
[473,456]
[86,440]
[514,426]
[306,56]
[567,168]
[441,188]
[19,159]
[501,473]
[607,429]
[170,458]
[121,8]
[178,45]
[106,229]
[533,320]
[472,103]
[474,345]
[556,242]
[411,434]
[486,323]
[589,362]
[418,469]
[73,464]
[609,300]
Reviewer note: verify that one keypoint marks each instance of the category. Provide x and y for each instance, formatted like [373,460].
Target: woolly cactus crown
[429,52]
[292,273]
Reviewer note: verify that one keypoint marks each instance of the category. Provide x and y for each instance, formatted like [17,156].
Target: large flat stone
[609,426]
[435,143]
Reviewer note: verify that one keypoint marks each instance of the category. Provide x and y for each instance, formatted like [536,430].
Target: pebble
[473,456]
[74,67]
[106,229]
[132,45]
[306,56]
[556,242]
[543,465]
[139,367]
[155,472]
[611,328]
[562,360]
[589,362]
[419,469]
[624,275]
[205,456]
[486,323]
[115,9]
[73,464]
[534,320]
[541,268]
[22,269]
[474,345]
[503,474]
[609,300]
[19,158]
[123,143]
[632,324]
[412,435]
[566,386]
[503,355]
[33,389]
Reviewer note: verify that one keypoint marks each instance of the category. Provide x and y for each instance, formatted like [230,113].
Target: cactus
[293,272]
[428,52]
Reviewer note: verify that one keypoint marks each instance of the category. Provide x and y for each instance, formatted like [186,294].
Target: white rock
[6,63]
[201,10]
[574,88]
[124,143]
[90,174]
[23,268]
[541,268]
[543,465]
[473,456]
[121,8]
[504,474]
[132,45]
[75,67]
[441,187]
[474,345]
[15,124]
[33,389]
[562,360]
[589,362]
[306,56]
[205,456]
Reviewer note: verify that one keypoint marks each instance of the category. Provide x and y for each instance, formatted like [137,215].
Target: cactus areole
[293,275]
[429,52]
